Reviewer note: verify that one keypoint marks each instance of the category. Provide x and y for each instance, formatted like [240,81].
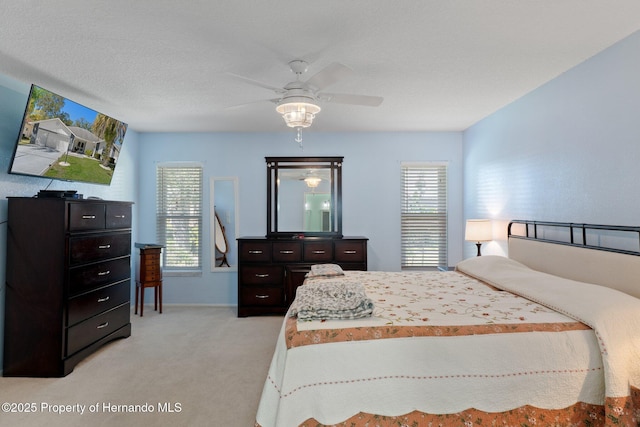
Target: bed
[548,336]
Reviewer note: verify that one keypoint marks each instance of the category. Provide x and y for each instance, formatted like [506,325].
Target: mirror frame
[274,164]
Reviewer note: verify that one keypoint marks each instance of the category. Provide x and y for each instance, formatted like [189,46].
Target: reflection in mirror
[317,212]
[305,196]
[221,243]
[294,186]
[224,224]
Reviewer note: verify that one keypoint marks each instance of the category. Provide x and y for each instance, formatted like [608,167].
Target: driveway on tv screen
[34,159]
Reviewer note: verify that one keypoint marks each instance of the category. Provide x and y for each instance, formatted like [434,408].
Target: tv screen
[60,139]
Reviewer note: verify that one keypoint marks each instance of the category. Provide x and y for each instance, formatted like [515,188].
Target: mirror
[304,196]
[223,222]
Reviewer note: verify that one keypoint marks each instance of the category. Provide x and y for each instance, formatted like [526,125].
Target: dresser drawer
[255,251]
[87,277]
[150,274]
[350,251]
[86,305]
[262,296]
[94,328]
[151,256]
[118,216]
[318,251]
[261,274]
[86,216]
[287,251]
[95,248]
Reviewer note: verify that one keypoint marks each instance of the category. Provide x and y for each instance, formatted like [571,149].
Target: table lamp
[478,230]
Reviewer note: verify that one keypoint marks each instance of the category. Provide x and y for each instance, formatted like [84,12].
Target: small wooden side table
[149,275]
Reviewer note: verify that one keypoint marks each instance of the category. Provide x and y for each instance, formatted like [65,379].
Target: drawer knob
[105,299]
[286,252]
[104,246]
[262,276]
[255,252]
[104,273]
[88,217]
[350,252]
[102,326]
[318,252]
[262,296]
[120,216]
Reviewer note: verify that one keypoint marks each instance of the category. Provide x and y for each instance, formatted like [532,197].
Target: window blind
[179,216]
[424,215]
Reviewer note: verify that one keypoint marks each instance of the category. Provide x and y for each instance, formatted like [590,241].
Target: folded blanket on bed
[325,270]
[331,300]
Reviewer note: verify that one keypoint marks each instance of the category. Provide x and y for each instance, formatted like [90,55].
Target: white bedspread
[614,316]
[492,372]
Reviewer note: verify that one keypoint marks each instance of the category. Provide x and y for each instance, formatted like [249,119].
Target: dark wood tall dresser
[271,269]
[68,282]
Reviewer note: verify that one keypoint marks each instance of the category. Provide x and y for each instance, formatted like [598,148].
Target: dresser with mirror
[304,227]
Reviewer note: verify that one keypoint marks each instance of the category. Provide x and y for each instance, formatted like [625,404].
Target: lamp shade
[478,230]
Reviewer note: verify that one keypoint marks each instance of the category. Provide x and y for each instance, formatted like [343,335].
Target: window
[179,216]
[424,215]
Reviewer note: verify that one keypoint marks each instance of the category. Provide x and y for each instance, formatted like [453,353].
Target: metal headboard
[579,235]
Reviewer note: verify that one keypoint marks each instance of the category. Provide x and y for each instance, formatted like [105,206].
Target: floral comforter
[441,347]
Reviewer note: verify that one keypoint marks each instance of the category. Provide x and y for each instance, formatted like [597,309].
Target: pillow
[325,270]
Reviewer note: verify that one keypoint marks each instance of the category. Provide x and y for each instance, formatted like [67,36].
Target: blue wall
[371,190]
[568,151]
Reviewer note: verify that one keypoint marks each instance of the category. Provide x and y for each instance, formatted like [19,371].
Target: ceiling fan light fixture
[312,181]
[298,113]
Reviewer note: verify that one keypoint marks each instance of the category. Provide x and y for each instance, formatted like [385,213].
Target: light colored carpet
[203,363]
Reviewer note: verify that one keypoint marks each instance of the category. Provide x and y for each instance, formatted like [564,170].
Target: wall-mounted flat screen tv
[61,139]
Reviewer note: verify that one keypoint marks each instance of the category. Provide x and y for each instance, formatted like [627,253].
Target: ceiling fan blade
[345,98]
[257,83]
[244,104]
[329,75]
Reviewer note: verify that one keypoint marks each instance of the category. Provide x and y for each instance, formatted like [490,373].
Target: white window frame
[186,198]
[424,215]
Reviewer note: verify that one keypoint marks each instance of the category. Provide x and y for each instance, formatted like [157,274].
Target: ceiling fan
[298,100]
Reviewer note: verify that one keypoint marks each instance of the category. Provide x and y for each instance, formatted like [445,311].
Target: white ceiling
[164,65]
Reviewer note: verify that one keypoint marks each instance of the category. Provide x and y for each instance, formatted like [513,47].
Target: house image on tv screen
[55,135]
[61,139]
